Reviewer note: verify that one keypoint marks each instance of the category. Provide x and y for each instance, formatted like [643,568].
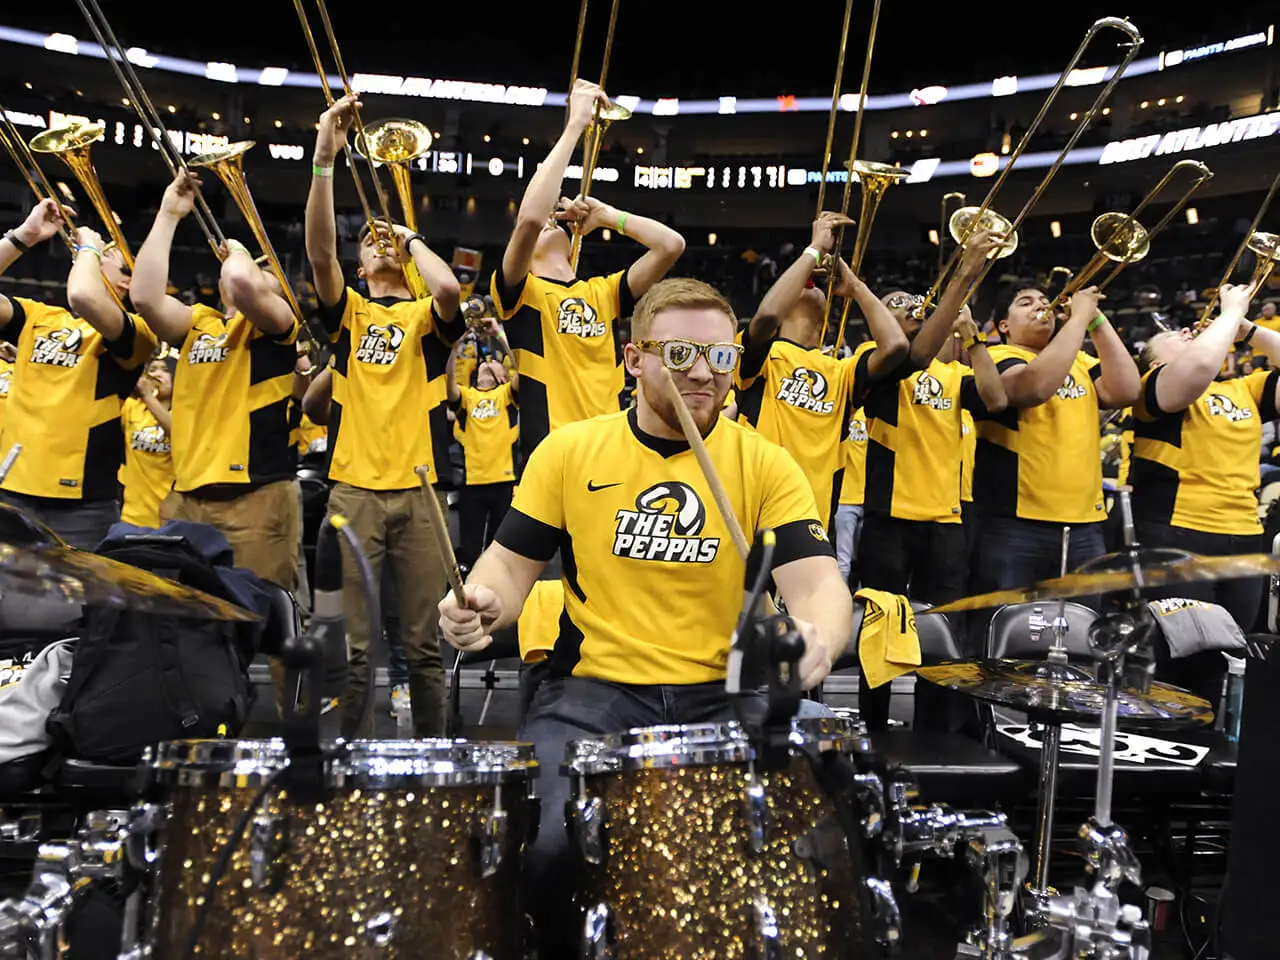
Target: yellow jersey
[916,447]
[308,436]
[800,399]
[147,473]
[566,345]
[231,392]
[855,463]
[539,622]
[652,582]
[1043,462]
[6,378]
[388,416]
[487,426]
[67,388]
[968,449]
[1198,468]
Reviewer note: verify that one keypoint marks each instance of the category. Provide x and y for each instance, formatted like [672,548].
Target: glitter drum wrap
[391,866]
[678,877]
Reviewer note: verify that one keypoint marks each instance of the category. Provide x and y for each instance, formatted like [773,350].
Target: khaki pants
[262,526]
[394,525]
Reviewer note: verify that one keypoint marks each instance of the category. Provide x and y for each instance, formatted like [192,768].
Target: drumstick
[692,434]
[441,527]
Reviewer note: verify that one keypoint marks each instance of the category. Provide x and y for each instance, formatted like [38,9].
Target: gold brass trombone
[944,220]
[396,143]
[972,219]
[602,116]
[1265,246]
[873,178]
[70,143]
[227,162]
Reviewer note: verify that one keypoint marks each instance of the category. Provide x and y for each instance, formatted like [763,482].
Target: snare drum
[691,852]
[416,852]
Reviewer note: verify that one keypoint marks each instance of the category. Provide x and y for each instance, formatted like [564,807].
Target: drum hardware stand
[33,928]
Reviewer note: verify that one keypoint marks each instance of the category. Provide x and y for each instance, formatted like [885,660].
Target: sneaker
[399,699]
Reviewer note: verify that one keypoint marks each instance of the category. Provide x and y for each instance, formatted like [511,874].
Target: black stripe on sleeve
[331,314]
[1095,371]
[506,295]
[1150,404]
[449,331]
[626,299]
[13,329]
[754,354]
[1008,363]
[1267,408]
[798,539]
[122,346]
[530,538]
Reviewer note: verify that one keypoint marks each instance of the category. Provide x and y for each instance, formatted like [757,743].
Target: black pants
[564,709]
[929,563]
[480,510]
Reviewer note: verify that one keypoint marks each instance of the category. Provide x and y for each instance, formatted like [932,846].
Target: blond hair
[674,294]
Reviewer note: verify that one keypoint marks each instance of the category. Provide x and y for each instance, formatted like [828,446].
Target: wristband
[622,223]
[236,245]
[1253,328]
[1096,322]
[412,237]
[12,237]
[974,342]
[816,254]
[318,170]
[81,247]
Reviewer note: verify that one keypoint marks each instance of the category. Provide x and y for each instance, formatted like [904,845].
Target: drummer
[653,585]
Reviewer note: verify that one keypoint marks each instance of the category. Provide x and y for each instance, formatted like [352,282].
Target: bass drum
[416,852]
[689,851]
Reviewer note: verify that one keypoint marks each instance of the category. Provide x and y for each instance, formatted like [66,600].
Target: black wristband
[12,237]
[412,237]
[1253,328]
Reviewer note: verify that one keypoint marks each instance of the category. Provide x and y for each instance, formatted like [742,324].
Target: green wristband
[321,171]
[622,223]
[1097,321]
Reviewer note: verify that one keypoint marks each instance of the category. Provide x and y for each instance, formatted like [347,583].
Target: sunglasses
[681,355]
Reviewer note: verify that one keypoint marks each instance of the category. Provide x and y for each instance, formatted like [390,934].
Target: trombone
[1265,246]
[873,178]
[601,119]
[943,220]
[395,144]
[383,240]
[227,162]
[968,220]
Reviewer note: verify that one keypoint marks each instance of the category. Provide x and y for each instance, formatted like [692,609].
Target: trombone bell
[394,141]
[1265,245]
[612,112]
[221,157]
[73,135]
[1120,237]
[967,221]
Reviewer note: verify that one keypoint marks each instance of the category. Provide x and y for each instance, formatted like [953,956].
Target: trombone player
[387,418]
[74,370]
[233,465]
[563,330]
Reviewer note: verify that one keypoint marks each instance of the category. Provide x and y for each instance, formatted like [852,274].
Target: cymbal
[1064,693]
[1193,569]
[56,571]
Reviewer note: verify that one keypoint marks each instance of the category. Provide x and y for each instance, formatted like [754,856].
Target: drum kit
[766,837]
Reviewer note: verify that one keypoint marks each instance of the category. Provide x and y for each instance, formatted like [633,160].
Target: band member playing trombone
[233,465]
[655,585]
[1038,465]
[788,389]
[564,330]
[74,370]
[386,418]
[1194,464]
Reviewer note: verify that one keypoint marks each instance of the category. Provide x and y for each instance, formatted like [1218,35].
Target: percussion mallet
[441,527]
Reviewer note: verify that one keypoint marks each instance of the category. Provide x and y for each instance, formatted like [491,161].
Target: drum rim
[665,746]
[363,763]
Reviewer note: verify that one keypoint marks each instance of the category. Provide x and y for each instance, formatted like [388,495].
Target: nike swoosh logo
[603,486]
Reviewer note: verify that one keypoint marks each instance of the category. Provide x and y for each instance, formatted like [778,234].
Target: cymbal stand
[1093,920]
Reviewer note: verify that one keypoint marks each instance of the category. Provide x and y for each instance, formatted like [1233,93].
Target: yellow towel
[539,622]
[888,645]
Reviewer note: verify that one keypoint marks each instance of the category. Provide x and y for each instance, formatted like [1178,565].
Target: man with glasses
[73,372]
[793,393]
[652,582]
[564,330]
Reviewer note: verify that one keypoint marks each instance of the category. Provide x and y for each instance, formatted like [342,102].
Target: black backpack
[139,679]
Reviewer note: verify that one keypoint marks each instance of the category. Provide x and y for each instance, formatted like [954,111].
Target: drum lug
[380,931]
[140,952]
[757,814]
[823,845]
[598,933]
[269,839]
[102,843]
[885,917]
[871,793]
[586,817]
[145,821]
[766,924]
[489,838]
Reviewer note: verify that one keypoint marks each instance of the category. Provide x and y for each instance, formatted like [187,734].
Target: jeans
[848,533]
[565,709]
[81,525]
[926,561]
[397,663]
[480,512]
